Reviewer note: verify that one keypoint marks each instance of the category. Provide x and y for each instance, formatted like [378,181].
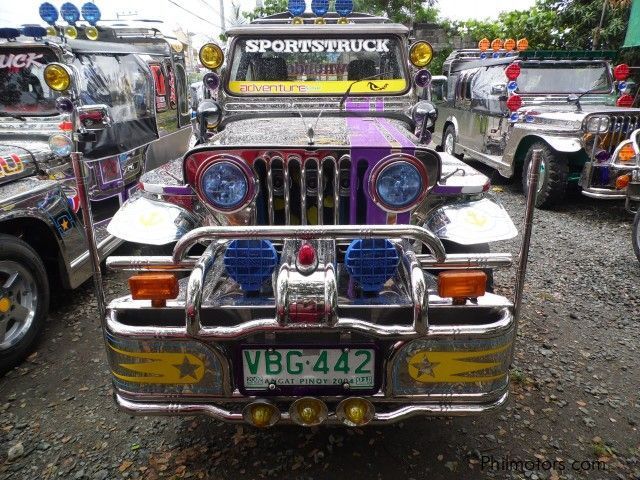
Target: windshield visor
[564,79]
[312,66]
[22,87]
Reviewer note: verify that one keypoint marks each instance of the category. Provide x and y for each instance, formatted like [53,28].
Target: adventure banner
[377,87]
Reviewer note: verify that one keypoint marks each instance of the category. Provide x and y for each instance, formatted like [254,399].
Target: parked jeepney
[498,107]
[135,75]
[337,267]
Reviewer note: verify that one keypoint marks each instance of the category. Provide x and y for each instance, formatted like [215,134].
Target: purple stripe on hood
[370,145]
[407,145]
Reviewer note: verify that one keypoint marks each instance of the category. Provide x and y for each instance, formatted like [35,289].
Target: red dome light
[621,72]
[625,101]
[514,103]
[512,71]
[306,255]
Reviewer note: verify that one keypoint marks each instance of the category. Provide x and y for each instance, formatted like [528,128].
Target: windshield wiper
[573,98]
[348,92]
[14,115]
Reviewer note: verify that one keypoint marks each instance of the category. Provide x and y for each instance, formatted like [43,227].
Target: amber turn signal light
[157,287]
[623,181]
[470,284]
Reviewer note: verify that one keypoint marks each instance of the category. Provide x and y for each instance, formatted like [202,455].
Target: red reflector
[625,101]
[65,126]
[514,103]
[306,255]
[307,312]
[621,72]
[512,71]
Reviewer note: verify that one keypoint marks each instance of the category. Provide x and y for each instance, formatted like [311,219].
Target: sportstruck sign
[380,45]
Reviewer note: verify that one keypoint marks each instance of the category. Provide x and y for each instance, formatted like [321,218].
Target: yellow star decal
[64,224]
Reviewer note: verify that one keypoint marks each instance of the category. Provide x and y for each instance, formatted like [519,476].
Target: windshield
[22,88]
[285,66]
[564,78]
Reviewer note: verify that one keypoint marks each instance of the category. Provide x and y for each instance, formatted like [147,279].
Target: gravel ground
[573,414]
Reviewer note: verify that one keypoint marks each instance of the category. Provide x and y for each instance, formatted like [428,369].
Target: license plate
[308,367]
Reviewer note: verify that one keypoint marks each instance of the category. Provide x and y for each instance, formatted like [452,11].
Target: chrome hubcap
[541,178]
[18,301]
[448,144]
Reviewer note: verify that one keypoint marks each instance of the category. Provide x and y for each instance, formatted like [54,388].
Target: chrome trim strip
[448,408]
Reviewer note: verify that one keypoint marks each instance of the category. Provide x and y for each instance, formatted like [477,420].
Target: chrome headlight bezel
[597,124]
[237,164]
[383,167]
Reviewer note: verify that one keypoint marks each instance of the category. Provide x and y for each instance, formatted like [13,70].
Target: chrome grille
[309,191]
[621,128]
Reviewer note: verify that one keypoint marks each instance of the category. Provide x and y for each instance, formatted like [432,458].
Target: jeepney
[329,266]
[140,79]
[498,107]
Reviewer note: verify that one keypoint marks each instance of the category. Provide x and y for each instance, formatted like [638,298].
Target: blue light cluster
[399,185]
[250,263]
[225,186]
[344,7]
[297,7]
[9,33]
[35,31]
[91,13]
[320,7]
[48,13]
[70,13]
[371,262]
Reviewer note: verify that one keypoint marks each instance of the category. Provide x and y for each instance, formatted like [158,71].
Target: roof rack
[476,54]
[330,18]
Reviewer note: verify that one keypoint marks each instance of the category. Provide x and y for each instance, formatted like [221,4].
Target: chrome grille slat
[320,193]
[336,192]
[270,192]
[303,193]
[285,188]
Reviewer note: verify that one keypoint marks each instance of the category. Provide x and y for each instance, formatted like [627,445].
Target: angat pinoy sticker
[380,45]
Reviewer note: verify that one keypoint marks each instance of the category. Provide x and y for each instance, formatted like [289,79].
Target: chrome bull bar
[219,237]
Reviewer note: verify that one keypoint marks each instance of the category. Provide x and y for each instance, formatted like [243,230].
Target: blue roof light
[9,33]
[344,7]
[250,263]
[35,31]
[70,13]
[48,13]
[371,262]
[91,13]
[297,7]
[320,7]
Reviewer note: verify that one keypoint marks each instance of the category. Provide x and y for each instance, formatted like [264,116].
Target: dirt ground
[573,414]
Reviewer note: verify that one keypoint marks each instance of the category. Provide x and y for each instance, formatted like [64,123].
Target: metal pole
[87,218]
[534,175]
[223,23]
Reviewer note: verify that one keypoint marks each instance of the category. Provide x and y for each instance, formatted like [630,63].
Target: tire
[636,235]
[450,148]
[24,300]
[554,176]
[451,247]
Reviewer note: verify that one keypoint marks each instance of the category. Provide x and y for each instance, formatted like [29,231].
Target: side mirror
[424,116]
[94,118]
[208,116]
[498,89]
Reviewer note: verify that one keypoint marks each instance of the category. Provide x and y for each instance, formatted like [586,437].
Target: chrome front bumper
[479,334]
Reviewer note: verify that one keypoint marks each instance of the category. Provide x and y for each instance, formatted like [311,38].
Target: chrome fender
[147,221]
[472,223]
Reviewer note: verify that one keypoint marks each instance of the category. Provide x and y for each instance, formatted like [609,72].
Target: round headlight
[60,145]
[399,183]
[225,184]
[211,56]
[421,54]
[57,77]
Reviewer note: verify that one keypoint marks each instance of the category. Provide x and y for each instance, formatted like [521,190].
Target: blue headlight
[48,13]
[70,13]
[250,262]
[320,7]
[297,7]
[344,7]
[399,185]
[90,13]
[371,262]
[225,186]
